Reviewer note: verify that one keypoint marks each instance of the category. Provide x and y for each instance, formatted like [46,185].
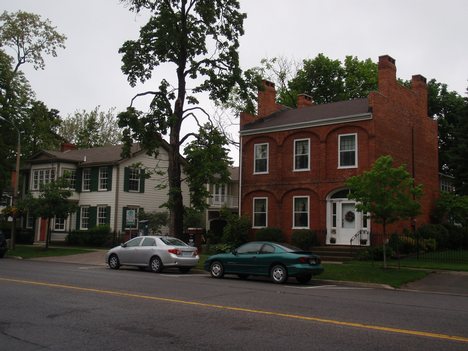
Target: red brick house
[294,162]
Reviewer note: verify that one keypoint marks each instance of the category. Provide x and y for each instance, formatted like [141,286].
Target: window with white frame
[59,224]
[347,150]
[219,195]
[41,177]
[260,212]
[29,221]
[84,218]
[134,179]
[301,212]
[102,215]
[70,175]
[86,182]
[103,178]
[261,158]
[301,154]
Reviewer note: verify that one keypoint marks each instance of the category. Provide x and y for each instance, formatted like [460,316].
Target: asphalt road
[63,306]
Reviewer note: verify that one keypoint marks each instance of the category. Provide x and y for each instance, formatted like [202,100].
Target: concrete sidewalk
[96,258]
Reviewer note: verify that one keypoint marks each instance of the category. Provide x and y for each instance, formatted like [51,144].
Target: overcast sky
[427,37]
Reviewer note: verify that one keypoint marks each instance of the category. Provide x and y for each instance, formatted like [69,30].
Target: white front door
[344,222]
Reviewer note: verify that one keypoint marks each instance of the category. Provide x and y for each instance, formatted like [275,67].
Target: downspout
[240,177]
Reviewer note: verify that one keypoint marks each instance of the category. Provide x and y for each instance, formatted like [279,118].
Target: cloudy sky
[425,37]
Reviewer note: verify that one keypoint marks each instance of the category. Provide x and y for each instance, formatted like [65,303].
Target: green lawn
[30,251]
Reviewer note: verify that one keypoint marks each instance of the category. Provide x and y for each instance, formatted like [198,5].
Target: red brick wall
[400,127]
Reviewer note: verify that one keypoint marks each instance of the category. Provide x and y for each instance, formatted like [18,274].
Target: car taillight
[304,259]
[195,252]
[174,251]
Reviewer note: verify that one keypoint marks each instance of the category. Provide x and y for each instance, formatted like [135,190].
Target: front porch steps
[337,253]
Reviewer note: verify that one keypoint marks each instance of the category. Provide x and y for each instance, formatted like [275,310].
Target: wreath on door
[349,216]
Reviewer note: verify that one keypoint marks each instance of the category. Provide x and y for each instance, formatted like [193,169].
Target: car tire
[279,274]
[156,264]
[114,262]
[184,269]
[217,269]
[304,279]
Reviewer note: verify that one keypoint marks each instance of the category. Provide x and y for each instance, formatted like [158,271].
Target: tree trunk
[384,242]
[47,234]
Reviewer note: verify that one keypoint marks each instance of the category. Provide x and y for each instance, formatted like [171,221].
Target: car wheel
[304,279]
[279,274]
[217,269]
[184,269]
[156,265]
[114,262]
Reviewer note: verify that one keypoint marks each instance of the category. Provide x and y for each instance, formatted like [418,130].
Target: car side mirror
[234,252]
[123,245]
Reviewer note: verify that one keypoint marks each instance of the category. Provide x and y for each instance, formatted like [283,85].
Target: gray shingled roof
[315,114]
[98,155]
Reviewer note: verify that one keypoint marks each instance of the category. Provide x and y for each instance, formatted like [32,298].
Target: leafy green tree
[387,193]
[452,208]
[91,129]
[200,40]
[156,220]
[52,202]
[207,149]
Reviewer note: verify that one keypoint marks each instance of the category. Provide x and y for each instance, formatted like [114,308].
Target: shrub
[304,239]
[270,234]
[97,236]
[25,237]
[236,231]
[402,244]
[374,253]
[437,232]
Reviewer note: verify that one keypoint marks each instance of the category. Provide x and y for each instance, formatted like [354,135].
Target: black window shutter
[78,218]
[108,212]
[94,178]
[109,180]
[126,177]
[79,177]
[142,180]
[92,217]
[124,215]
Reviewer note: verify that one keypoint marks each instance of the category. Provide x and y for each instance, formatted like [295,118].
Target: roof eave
[309,124]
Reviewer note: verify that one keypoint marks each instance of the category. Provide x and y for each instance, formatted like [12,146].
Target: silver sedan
[154,252]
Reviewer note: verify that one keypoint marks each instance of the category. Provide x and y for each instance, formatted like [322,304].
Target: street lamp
[15,190]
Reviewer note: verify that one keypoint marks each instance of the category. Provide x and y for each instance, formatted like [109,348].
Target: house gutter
[308,124]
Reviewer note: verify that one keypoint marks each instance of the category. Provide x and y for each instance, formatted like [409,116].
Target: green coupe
[262,258]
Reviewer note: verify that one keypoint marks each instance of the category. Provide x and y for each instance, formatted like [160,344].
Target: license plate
[187,253]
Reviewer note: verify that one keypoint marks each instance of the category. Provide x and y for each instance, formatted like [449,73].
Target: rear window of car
[172,241]
[289,248]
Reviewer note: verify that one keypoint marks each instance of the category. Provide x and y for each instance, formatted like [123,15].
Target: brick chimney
[419,87]
[67,147]
[387,74]
[304,100]
[266,99]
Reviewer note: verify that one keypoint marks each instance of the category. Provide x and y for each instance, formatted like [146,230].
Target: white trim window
[102,215]
[70,175]
[86,183]
[300,212]
[260,212]
[41,177]
[347,151]
[84,218]
[134,179]
[103,178]
[261,153]
[302,155]
[59,224]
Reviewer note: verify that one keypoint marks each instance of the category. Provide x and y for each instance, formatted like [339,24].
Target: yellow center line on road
[246,310]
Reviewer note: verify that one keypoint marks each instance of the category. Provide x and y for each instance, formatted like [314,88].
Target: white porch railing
[218,201]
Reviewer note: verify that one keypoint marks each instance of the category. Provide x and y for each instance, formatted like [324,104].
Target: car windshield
[172,241]
[288,248]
